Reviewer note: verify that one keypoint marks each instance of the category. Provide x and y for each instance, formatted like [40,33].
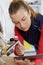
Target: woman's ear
[30,13]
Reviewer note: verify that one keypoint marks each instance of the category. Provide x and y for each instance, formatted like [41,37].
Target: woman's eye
[16,22]
[24,19]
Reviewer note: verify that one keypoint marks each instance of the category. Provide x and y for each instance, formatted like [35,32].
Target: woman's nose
[22,24]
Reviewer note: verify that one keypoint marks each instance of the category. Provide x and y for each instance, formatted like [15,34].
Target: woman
[27,25]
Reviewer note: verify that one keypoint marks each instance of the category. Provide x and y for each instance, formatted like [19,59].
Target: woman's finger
[20,62]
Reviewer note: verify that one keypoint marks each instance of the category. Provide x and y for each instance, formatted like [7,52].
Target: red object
[40,48]
[38,61]
[20,38]
[15,50]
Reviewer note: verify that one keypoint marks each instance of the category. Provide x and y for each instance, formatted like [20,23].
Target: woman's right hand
[24,62]
[19,50]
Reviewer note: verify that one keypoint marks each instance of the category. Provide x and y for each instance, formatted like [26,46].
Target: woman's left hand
[24,62]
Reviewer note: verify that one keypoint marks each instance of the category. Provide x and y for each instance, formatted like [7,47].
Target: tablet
[29,57]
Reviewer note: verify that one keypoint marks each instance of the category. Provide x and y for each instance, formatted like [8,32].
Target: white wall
[41,7]
[6,22]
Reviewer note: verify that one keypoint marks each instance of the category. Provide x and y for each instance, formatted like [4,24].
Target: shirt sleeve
[40,18]
[40,46]
[17,33]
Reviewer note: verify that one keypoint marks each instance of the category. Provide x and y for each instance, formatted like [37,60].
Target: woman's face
[22,19]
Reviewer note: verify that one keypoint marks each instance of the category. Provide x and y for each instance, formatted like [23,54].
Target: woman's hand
[19,49]
[41,63]
[24,62]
